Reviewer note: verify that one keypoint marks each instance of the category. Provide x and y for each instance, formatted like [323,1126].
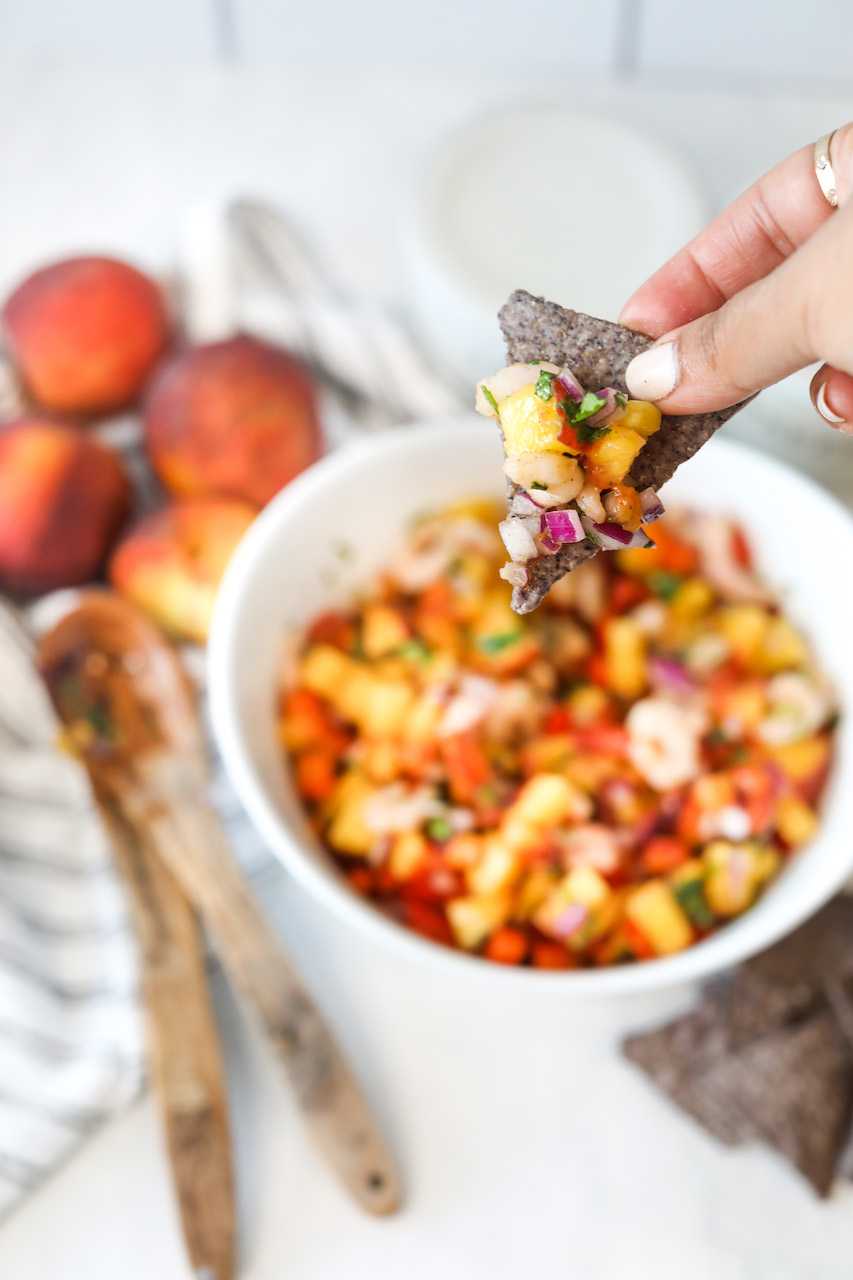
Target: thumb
[799,313]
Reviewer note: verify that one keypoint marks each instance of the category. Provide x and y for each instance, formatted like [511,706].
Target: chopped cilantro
[590,404]
[543,386]
[414,651]
[588,434]
[491,399]
[538,485]
[496,643]
[621,399]
[439,829]
[664,584]
[691,899]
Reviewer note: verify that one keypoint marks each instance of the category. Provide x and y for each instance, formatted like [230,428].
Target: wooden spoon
[119,688]
[186,1063]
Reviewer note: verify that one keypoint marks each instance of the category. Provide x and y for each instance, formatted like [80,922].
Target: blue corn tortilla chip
[598,352]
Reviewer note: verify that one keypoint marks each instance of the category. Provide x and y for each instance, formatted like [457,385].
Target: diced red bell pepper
[625,593]
[551,955]
[664,853]
[316,777]
[596,670]
[338,629]
[428,920]
[467,766]
[506,946]
[361,879]
[741,548]
[309,723]
[637,941]
[669,552]
[557,720]
[603,740]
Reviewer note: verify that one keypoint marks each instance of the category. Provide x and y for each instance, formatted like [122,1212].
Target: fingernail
[824,410]
[653,374]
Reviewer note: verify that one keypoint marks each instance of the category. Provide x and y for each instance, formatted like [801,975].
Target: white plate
[334,526]
[557,200]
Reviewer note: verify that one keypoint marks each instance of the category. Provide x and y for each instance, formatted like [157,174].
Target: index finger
[745,242]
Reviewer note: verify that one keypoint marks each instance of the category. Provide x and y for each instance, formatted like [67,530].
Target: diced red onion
[653,508]
[518,533]
[546,544]
[608,410]
[514,573]
[668,674]
[612,537]
[570,385]
[569,921]
[523,505]
[564,526]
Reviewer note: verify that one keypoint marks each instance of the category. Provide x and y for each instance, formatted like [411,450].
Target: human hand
[764,290]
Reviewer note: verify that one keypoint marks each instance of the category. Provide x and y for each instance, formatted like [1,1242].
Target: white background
[528,1147]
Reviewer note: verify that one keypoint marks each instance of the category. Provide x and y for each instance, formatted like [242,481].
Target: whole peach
[63,497]
[85,334]
[170,563]
[236,417]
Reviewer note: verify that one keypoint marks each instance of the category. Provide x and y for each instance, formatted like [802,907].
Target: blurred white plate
[563,202]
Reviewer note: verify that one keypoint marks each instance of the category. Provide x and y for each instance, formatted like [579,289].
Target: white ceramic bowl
[336,524]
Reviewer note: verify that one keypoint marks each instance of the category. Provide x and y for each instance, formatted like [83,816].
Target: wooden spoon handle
[189,838]
[186,1064]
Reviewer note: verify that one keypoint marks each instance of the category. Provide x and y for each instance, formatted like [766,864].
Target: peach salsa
[607,780]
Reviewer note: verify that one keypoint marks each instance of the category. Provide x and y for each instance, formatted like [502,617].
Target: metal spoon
[119,688]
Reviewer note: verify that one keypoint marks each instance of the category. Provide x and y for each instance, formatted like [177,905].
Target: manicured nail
[824,410]
[653,374]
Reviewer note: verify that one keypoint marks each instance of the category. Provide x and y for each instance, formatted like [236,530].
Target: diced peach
[548,799]
[383,630]
[529,424]
[653,909]
[609,458]
[745,627]
[348,832]
[796,821]
[463,851]
[422,719]
[625,657]
[640,416]
[783,648]
[408,855]
[473,919]
[497,870]
[386,708]
[325,670]
[580,908]
[692,600]
[732,876]
[170,563]
[382,760]
[538,883]
[800,761]
[588,705]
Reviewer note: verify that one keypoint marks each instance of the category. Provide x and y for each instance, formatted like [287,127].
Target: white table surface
[528,1147]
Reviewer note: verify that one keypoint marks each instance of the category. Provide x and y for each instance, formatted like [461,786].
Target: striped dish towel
[71,1029]
[71,1039]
